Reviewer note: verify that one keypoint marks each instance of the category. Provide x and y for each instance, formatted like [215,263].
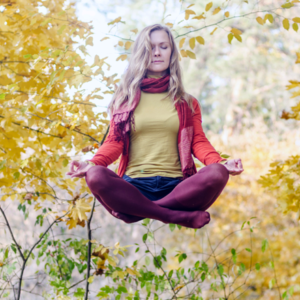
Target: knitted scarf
[123,119]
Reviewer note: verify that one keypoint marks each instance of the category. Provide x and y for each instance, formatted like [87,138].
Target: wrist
[90,163]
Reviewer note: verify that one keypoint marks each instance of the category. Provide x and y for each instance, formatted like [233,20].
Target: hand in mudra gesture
[82,168]
[234,166]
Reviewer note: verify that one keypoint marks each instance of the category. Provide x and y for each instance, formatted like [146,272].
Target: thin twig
[89,232]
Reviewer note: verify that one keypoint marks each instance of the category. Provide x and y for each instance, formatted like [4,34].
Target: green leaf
[146,222]
[182,257]
[264,245]
[257,266]
[271,283]
[220,269]
[27,55]
[172,226]
[234,256]
[145,237]
[6,254]
[147,261]
[79,293]
[243,267]
[249,250]
[2,96]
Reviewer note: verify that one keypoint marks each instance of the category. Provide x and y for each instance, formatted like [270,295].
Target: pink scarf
[123,118]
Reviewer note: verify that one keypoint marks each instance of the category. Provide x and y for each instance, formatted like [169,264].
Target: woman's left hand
[234,166]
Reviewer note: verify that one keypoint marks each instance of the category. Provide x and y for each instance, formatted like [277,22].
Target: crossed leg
[116,194]
[197,192]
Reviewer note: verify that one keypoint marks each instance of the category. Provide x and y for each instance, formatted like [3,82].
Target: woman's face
[161,53]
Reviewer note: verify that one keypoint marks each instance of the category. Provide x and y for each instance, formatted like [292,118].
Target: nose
[156,51]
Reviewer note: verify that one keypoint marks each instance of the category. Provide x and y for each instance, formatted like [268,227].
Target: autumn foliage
[43,50]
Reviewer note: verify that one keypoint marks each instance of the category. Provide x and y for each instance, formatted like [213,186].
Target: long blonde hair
[139,63]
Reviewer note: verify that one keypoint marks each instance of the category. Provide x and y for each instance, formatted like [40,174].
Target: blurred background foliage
[55,82]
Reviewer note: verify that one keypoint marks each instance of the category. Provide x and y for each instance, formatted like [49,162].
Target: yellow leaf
[200,40]
[208,6]
[216,10]
[260,20]
[287,5]
[37,206]
[91,279]
[236,31]
[132,272]
[183,53]
[286,24]
[181,42]
[72,223]
[179,287]
[295,26]
[89,41]
[190,5]
[105,38]
[191,54]
[122,57]
[213,31]
[227,14]
[270,18]
[169,25]
[199,17]
[192,42]
[120,43]
[296,20]
[189,12]
[230,37]
[127,45]
[117,20]
[238,37]
[80,210]
[298,58]
[134,30]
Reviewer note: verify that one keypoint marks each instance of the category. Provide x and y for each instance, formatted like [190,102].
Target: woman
[156,126]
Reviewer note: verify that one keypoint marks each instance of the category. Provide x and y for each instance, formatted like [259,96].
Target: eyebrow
[161,43]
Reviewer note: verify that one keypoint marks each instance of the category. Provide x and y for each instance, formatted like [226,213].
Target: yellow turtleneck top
[153,149]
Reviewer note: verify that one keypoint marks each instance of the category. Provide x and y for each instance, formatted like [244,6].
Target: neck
[151,73]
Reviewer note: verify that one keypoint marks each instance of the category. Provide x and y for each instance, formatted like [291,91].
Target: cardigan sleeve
[109,151]
[201,147]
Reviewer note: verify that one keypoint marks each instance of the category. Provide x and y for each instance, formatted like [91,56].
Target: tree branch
[89,232]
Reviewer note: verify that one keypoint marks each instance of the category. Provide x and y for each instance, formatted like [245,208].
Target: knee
[218,175]
[96,177]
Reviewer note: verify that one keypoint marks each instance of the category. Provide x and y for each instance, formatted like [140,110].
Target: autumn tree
[42,55]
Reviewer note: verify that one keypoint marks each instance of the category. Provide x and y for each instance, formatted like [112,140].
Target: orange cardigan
[201,147]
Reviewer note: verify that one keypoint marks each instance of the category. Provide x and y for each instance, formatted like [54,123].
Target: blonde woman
[156,127]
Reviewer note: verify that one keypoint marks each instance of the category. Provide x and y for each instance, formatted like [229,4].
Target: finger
[240,165]
[73,164]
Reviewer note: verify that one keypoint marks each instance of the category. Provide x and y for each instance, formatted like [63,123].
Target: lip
[157,61]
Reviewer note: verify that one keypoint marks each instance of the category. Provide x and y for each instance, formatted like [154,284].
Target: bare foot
[126,218]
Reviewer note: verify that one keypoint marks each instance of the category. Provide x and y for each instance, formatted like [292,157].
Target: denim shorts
[154,188]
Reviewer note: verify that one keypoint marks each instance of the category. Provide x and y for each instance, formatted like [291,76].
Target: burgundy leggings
[185,205]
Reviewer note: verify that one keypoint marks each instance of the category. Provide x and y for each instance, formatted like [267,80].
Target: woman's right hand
[82,168]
